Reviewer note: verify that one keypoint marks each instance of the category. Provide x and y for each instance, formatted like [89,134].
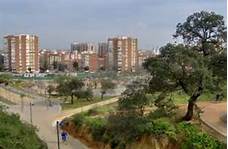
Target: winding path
[45,117]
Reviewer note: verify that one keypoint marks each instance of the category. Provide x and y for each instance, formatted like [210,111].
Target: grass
[82,102]
[104,110]
[6,101]
[182,98]
[17,135]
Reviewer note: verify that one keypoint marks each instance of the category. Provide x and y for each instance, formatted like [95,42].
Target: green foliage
[134,99]
[17,135]
[122,129]
[194,138]
[5,78]
[75,65]
[106,85]
[50,89]
[193,67]
[125,129]
[204,30]
[87,94]
[190,68]
[43,64]
[78,119]
[98,128]
[158,128]
[69,86]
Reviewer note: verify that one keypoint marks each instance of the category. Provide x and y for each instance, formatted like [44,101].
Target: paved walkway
[44,118]
[68,113]
[212,117]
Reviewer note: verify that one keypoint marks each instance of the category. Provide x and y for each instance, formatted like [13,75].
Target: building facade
[88,61]
[21,53]
[102,56]
[122,54]
[50,58]
[83,46]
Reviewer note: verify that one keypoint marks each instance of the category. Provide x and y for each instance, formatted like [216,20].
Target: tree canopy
[204,30]
[105,86]
[69,86]
[197,65]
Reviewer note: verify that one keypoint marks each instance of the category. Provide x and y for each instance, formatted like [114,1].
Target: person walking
[64,136]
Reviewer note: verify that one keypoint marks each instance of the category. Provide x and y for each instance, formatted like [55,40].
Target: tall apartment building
[102,49]
[103,55]
[21,53]
[81,47]
[88,60]
[123,54]
[86,55]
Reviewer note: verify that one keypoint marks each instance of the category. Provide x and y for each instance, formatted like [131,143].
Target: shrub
[195,138]
[98,128]
[79,119]
[157,128]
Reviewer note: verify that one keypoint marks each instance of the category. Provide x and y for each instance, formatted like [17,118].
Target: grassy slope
[17,135]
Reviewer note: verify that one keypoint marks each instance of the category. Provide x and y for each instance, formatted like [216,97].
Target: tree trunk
[102,96]
[72,99]
[191,103]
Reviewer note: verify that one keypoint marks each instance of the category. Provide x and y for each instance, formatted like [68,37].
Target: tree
[181,68]
[61,67]
[134,99]
[87,94]
[75,66]
[206,31]
[50,89]
[44,65]
[105,86]
[30,70]
[69,86]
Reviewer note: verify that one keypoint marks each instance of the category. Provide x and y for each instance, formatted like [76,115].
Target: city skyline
[59,23]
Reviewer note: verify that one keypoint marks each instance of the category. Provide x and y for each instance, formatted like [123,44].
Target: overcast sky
[60,22]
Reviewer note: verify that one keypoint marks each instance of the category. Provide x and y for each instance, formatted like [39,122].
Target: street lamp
[57,128]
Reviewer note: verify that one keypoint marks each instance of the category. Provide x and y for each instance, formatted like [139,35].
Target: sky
[60,22]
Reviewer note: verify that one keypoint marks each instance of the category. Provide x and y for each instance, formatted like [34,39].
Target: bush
[157,128]
[163,127]
[195,138]
[79,119]
[98,128]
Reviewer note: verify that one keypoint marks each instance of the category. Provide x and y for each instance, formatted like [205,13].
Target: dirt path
[69,113]
[211,117]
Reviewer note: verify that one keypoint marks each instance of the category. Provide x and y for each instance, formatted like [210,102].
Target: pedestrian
[64,136]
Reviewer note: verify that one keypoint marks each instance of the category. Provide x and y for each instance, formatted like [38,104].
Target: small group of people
[64,136]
